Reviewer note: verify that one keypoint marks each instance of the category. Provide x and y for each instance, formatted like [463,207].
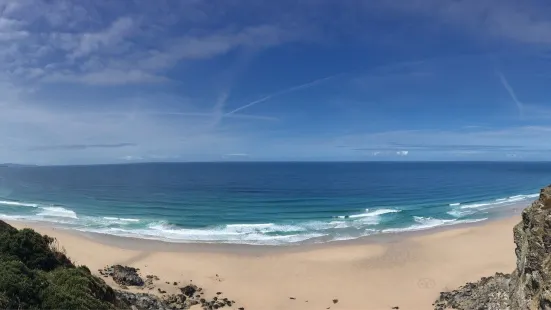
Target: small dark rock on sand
[189,290]
[335,301]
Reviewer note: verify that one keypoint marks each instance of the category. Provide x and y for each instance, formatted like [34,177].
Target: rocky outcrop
[531,280]
[124,275]
[182,301]
[529,286]
[491,293]
[140,301]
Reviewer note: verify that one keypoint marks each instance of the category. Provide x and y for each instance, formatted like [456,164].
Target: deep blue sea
[267,203]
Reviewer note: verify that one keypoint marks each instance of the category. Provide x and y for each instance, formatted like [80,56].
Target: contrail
[511,92]
[282,92]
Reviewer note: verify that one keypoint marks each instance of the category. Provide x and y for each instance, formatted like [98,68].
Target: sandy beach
[407,271]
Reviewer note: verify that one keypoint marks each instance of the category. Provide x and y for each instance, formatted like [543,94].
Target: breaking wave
[423,223]
[466,209]
[340,227]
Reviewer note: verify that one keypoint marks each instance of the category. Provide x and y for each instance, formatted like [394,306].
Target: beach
[406,271]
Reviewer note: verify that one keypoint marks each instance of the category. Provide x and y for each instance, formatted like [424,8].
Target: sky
[101,81]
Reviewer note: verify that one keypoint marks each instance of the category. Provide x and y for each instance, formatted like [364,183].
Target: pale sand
[408,272]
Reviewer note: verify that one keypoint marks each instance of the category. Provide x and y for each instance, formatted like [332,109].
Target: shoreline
[134,243]
[408,271]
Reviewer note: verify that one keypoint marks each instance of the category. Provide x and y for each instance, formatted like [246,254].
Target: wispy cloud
[77,147]
[114,34]
[282,92]
[107,77]
[511,91]
[519,22]
[526,139]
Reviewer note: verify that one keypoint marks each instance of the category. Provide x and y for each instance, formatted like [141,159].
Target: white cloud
[107,77]
[530,139]
[76,42]
[402,153]
[521,22]
[132,158]
[108,38]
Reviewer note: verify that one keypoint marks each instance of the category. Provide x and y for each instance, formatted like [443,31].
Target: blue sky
[131,81]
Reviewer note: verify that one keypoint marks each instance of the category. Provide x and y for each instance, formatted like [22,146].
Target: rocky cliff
[531,281]
[528,287]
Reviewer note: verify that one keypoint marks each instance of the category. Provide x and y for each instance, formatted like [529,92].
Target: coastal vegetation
[36,274]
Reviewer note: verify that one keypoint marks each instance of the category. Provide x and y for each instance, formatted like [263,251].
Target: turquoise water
[266,203]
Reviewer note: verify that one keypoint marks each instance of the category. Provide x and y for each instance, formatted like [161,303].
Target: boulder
[189,290]
[128,276]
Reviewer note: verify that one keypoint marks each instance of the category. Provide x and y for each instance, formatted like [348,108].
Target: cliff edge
[528,287]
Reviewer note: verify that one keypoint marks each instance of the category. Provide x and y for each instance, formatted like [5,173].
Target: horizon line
[15,165]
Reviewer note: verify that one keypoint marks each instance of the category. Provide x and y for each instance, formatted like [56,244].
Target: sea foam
[18,204]
[423,223]
[368,213]
[499,201]
[57,212]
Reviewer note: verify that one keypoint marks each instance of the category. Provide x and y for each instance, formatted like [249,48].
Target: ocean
[267,203]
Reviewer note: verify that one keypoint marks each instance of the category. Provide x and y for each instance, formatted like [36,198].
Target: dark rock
[189,290]
[335,301]
[175,283]
[218,293]
[396,307]
[125,275]
[140,301]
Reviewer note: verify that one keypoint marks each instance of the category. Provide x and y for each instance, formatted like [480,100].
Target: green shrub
[20,285]
[76,288]
[32,249]
[34,274]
